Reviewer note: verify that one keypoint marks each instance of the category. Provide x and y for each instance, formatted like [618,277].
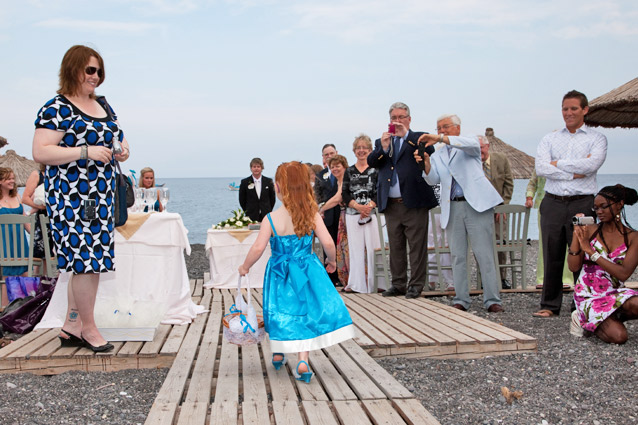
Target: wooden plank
[45,351]
[192,413]
[399,320]
[200,387]
[281,386]
[333,383]
[252,374]
[361,338]
[318,413]
[198,291]
[224,412]
[227,388]
[381,412]
[369,329]
[152,348]
[413,412]
[469,320]
[161,414]
[32,341]
[173,387]
[311,390]
[255,413]
[286,412]
[360,383]
[461,333]
[130,349]
[380,321]
[350,412]
[386,383]
[423,323]
[174,340]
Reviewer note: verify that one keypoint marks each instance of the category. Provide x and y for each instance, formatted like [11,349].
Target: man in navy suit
[405,198]
[257,192]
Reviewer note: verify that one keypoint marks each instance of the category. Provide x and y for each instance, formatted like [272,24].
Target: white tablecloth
[226,250]
[150,271]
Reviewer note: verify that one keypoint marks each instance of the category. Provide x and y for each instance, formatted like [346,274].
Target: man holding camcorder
[569,160]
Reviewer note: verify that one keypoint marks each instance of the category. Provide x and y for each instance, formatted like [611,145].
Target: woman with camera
[76,135]
[607,252]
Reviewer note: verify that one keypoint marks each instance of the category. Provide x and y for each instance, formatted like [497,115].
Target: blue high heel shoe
[278,363]
[305,376]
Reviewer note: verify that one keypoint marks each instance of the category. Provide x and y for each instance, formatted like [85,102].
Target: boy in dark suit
[257,192]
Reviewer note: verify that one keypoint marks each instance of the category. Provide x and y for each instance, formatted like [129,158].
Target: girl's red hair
[297,196]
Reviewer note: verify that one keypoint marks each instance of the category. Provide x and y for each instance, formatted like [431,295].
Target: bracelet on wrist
[84,152]
[594,257]
[575,253]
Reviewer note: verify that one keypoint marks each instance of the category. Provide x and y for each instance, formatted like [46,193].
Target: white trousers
[362,241]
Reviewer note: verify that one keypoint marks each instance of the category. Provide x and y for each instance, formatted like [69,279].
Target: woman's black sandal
[71,340]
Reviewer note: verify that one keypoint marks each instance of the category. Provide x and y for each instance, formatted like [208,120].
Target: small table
[226,250]
[150,271]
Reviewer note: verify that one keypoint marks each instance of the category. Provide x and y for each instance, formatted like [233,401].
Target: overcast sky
[201,87]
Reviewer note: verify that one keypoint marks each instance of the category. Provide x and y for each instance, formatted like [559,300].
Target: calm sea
[203,202]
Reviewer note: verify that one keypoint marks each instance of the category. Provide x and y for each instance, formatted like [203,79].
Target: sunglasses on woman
[90,70]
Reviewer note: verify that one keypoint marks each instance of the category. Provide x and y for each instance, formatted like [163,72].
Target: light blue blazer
[464,163]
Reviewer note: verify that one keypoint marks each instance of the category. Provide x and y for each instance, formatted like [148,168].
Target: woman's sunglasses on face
[90,70]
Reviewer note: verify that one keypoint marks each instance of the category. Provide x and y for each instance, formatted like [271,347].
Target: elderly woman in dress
[607,254]
[359,194]
[76,133]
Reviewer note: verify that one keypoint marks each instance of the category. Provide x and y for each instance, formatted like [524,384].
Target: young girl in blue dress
[302,309]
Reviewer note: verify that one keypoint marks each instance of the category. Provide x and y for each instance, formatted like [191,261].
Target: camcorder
[583,221]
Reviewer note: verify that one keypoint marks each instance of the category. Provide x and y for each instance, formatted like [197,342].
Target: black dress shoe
[506,284]
[101,349]
[412,293]
[393,292]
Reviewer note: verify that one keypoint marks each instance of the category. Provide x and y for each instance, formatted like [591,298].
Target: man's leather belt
[458,198]
[567,198]
[395,200]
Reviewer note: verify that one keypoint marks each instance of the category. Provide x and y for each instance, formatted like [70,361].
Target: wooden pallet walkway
[40,353]
[221,383]
[424,328]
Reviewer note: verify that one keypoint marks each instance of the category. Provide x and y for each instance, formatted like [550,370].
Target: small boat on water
[233,186]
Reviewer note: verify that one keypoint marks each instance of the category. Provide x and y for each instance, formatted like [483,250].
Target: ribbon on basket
[242,325]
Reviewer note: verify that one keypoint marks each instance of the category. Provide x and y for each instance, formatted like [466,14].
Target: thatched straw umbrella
[522,164]
[21,166]
[618,108]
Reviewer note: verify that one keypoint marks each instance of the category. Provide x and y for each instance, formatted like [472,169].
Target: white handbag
[38,195]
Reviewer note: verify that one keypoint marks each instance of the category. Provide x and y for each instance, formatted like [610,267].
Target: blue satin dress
[302,309]
[22,248]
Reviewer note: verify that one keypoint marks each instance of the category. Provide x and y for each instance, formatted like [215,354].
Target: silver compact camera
[117,146]
[583,221]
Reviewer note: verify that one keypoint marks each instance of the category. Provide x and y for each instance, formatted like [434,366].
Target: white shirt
[582,152]
[257,186]
[395,189]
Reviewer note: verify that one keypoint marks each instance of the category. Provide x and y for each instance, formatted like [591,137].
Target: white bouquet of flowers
[239,220]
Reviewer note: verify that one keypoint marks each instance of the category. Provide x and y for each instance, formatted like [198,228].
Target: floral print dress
[595,296]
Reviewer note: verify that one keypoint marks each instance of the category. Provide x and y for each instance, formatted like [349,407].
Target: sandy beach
[568,381]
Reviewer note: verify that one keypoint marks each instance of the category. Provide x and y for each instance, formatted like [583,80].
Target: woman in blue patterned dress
[302,309]
[608,255]
[75,133]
